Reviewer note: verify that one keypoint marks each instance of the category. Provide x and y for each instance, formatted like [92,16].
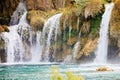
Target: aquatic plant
[56,75]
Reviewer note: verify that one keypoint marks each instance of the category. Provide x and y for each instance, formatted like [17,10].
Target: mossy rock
[36,19]
[4,28]
[103,68]
[115,23]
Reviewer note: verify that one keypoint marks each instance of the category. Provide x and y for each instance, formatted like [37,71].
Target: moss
[56,75]
[95,26]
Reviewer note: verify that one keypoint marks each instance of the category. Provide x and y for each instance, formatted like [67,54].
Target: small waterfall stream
[18,13]
[101,53]
[50,28]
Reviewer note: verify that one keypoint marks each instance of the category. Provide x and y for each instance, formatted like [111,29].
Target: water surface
[43,71]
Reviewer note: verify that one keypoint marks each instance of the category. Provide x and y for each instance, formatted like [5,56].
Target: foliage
[92,8]
[95,25]
[80,5]
[89,7]
[115,21]
[69,75]
[85,27]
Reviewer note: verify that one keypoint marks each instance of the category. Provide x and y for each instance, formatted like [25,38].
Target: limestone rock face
[88,48]
[36,19]
[7,7]
[115,23]
[46,5]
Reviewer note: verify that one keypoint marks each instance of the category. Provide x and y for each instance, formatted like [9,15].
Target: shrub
[56,75]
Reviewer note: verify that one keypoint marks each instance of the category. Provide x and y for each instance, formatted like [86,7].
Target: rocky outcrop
[36,19]
[115,24]
[46,5]
[88,48]
[6,10]
[40,10]
[2,50]
[4,28]
[104,68]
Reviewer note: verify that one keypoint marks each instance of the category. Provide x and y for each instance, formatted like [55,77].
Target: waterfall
[76,49]
[101,52]
[36,50]
[25,45]
[18,13]
[51,29]
[14,46]
[22,43]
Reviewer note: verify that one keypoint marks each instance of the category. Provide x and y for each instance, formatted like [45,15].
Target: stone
[103,68]
[88,48]
[4,28]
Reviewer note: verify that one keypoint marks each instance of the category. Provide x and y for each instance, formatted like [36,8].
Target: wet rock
[103,68]
[2,50]
[88,48]
[6,10]
[72,41]
[4,28]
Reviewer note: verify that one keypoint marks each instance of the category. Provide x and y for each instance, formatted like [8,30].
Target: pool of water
[43,71]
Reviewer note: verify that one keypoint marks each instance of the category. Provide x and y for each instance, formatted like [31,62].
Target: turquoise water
[42,72]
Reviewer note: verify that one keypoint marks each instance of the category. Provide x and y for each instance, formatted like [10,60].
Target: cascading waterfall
[101,53]
[51,29]
[21,44]
[36,50]
[27,35]
[18,13]
[14,46]
[71,58]
[76,49]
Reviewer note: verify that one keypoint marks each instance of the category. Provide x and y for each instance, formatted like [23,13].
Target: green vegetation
[56,75]
[95,25]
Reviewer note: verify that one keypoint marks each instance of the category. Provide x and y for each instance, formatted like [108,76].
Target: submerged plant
[56,75]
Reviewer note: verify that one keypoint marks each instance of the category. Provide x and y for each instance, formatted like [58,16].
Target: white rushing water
[101,52]
[50,28]
[36,50]
[14,47]
[76,49]
[18,13]
[21,43]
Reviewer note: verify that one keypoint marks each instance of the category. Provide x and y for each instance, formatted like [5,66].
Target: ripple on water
[42,72]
